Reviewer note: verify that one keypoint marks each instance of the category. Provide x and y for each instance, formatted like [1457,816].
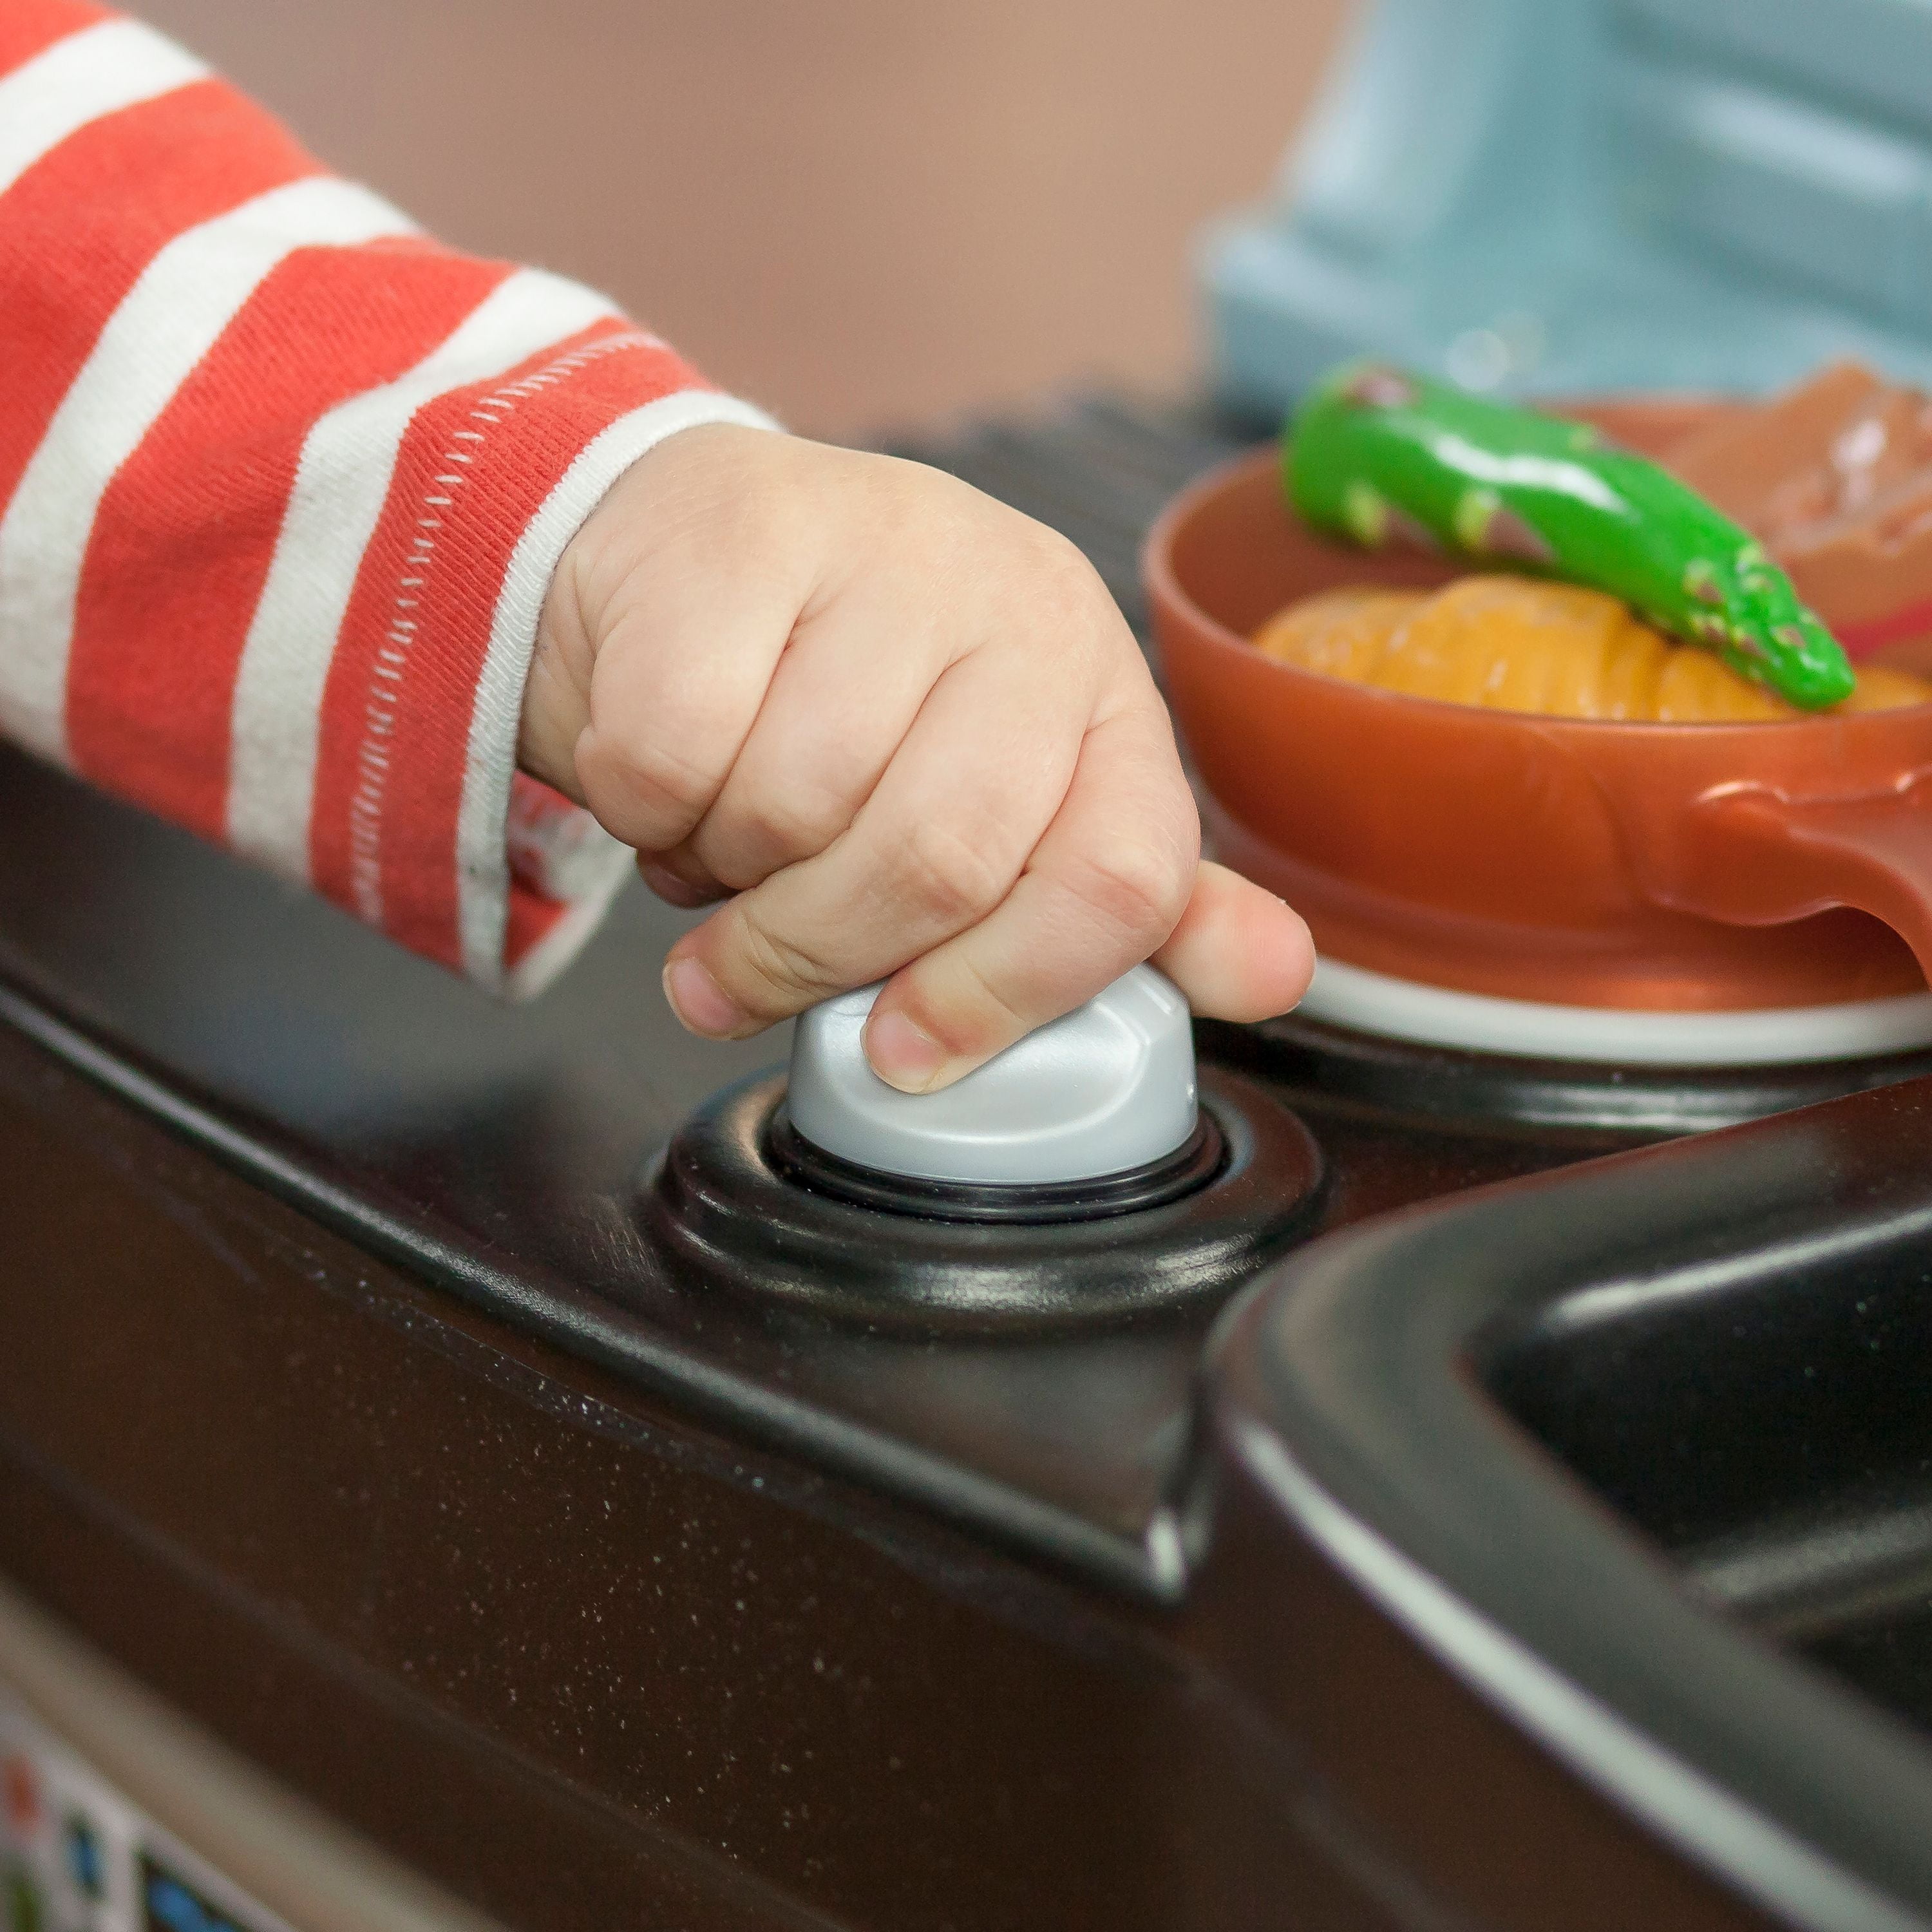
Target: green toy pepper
[1379,455]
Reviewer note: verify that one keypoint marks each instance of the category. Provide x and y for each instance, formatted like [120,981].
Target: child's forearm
[282,485]
[289,494]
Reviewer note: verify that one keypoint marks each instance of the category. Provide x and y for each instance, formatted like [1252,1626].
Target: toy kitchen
[1457,1457]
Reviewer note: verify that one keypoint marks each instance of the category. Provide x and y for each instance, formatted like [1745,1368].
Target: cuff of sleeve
[536,874]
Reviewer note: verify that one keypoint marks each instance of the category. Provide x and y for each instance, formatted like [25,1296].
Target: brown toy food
[1512,643]
[1835,476]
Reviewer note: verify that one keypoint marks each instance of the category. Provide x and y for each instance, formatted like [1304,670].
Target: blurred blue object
[1551,195]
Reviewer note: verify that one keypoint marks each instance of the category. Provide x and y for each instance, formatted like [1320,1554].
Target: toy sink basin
[1705,869]
[1641,1444]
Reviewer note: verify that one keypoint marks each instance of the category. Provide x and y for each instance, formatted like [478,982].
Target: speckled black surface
[346,1398]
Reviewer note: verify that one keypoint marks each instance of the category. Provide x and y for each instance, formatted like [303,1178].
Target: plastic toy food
[1379,455]
[1835,477]
[1510,644]
[1576,862]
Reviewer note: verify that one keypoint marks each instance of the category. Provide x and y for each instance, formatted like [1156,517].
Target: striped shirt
[283,484]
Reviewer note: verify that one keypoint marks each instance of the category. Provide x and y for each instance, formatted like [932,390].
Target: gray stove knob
[1107,1088]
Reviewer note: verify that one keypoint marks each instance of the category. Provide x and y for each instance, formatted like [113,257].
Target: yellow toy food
[1514,643]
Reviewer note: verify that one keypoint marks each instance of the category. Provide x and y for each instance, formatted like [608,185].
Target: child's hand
[900,729]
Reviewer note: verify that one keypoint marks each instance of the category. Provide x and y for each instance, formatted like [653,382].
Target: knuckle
[763,822]
[796,821]
[655,778]
[966,1009]
[994,1018]
[1061,559]
[948,876]
[1139,885]
[1068,587]
[788,971]
[1072,613]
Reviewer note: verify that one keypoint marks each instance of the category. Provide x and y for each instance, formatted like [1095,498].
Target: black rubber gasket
[721,1209]
[1191,1164]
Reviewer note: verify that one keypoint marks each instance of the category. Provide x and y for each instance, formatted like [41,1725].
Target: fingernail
[903,1055]
[670,888]
[700,1002]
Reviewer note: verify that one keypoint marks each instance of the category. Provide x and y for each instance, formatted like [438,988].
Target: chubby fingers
[673,702]
[936,870]
[1108,882]
[1099,897]
[1072,927]
[936,846]
[683,611]
[837,712]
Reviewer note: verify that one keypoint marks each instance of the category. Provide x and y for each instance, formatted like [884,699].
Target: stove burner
[741,1202]
[1407,1080]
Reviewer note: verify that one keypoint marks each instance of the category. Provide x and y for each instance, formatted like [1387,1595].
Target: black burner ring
[1410,1081]
[729,1205]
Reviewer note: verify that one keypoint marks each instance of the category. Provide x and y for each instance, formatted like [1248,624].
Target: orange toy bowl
[1682,868]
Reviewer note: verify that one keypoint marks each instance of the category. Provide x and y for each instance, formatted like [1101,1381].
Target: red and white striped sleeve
[283,484]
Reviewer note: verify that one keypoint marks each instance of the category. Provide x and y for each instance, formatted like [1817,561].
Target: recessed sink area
[1638,1450]
[1765,1416]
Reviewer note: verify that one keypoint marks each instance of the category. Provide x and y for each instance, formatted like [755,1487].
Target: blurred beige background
[865,213]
